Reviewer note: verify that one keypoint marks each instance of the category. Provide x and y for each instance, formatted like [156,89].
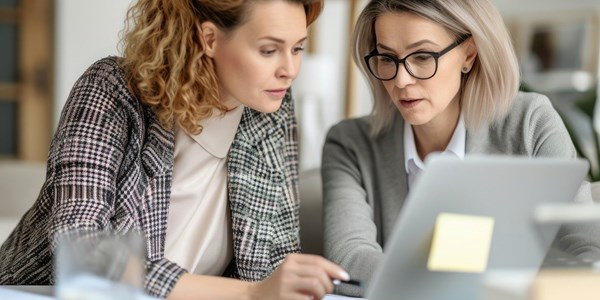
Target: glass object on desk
[99,266]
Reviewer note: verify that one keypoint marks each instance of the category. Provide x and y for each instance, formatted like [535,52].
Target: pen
[349,281]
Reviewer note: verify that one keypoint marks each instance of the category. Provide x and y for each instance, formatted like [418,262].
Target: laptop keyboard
[558,259]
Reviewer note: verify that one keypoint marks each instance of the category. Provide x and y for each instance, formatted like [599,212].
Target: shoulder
[532,109]
[352,129]
[101,99]
[349,136]
[103,79]
[532,127]
[103,88]
[527,101]
[105,73]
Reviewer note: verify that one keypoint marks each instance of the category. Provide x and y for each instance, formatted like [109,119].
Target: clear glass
[99,266]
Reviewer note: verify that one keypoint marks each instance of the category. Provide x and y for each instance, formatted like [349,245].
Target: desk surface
[26,292]
[38,293]
[337,297]
[45,293]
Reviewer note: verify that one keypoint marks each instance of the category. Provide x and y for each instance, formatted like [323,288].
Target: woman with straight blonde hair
[189,138]
[444,79]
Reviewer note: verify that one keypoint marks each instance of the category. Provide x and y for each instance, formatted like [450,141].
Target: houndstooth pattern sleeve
[103,133]
[96,180]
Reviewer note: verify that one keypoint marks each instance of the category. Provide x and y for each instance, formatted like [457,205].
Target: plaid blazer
[110,167]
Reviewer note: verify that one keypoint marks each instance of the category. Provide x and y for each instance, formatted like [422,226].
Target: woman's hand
[300,276]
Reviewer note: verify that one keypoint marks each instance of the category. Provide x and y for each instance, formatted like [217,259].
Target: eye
[298,50]
[421,57]
[268,52]
[382,59]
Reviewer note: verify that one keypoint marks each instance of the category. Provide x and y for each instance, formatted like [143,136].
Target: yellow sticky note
[461,243]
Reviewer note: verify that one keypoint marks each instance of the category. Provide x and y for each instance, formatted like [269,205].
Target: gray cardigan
[365,183]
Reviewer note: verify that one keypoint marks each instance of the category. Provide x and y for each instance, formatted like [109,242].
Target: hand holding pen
[299,276]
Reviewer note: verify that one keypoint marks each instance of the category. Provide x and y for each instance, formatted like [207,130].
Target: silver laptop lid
[508,189]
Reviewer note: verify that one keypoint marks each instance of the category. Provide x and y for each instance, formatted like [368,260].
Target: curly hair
[163,55]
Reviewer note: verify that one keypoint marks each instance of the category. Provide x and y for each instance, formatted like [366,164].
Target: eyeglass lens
[419,65]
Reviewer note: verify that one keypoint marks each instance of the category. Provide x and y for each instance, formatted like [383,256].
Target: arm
[210,287]
[297,277]
[551,138]
[350,233]
[85,158]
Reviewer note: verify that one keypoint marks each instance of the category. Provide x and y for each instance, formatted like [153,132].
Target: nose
[403,78]
[289,66]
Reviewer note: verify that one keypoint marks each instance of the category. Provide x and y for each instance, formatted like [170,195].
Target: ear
[208,33]
[471,53]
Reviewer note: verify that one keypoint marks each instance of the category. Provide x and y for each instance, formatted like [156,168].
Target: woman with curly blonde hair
[190,138]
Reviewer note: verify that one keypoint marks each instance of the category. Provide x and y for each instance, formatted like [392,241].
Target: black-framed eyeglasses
[421,64]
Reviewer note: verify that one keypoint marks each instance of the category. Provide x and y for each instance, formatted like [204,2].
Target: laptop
[507,189]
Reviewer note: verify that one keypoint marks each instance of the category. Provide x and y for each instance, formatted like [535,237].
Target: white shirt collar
[219,131]
[456,146]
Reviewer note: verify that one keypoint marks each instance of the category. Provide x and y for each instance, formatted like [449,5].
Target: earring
[465,70]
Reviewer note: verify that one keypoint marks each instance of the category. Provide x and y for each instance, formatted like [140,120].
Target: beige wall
[85,30]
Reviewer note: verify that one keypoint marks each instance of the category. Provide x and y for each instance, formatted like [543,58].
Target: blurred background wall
[85,31]
[66,36]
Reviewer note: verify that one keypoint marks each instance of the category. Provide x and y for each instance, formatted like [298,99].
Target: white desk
[337,297]
[38,293]
[26,292]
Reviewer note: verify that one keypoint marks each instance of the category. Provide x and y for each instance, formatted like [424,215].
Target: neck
[230,103]
[436,135]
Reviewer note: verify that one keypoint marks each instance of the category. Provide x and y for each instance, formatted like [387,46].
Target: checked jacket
[110,167]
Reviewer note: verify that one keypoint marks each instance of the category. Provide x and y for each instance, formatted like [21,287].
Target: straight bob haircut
[487,91]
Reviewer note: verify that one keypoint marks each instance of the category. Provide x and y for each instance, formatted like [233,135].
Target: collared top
[199,223]
[413,163]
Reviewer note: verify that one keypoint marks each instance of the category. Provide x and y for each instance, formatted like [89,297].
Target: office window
[26,28]
[8,133]
[8,53]
[9,3]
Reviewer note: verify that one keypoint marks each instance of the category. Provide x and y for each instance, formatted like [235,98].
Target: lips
[277,93]
[409,103]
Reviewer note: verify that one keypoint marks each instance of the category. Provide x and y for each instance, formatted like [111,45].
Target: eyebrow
[413,45]
[280,41]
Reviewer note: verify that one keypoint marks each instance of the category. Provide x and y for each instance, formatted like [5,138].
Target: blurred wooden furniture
[350,107]
[26,33]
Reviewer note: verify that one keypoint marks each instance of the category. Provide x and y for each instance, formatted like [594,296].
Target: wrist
[251,291]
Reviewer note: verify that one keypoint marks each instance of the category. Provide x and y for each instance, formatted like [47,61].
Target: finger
[310,286]
[333,271]
[315,271]
[298,266]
